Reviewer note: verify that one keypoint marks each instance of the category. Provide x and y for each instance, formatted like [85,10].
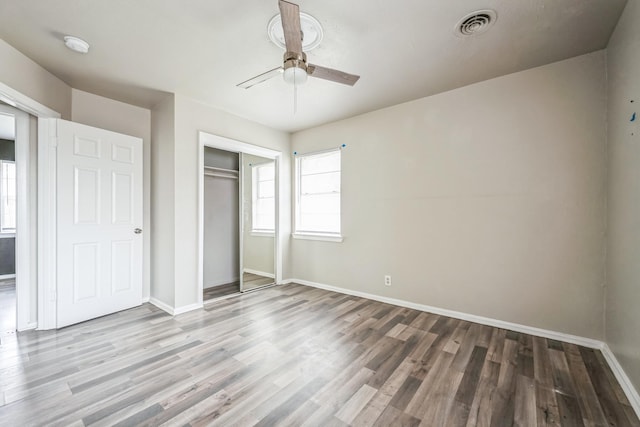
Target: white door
[99,221]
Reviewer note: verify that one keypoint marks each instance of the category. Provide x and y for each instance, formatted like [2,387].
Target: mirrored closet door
[258,222]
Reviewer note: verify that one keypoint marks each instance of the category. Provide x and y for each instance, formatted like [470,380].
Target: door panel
[86,203]
[99,205]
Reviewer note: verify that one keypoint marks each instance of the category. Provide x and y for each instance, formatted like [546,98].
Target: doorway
[238,217]
[17,220]
[8,321]
[221,250]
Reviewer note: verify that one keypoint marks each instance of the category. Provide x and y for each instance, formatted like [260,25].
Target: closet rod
[220,175]
[213,168]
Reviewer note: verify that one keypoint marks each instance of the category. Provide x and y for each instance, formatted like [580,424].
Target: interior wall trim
[622,377]
[30,326]
[174,311]
[161,305]
[618,371]
[187,308]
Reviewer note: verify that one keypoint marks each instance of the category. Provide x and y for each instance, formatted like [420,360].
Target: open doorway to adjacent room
[8,320]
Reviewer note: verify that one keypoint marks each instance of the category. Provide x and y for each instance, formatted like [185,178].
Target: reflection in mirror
[258,222]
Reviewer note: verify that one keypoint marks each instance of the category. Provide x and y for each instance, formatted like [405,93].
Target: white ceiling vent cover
[476,22]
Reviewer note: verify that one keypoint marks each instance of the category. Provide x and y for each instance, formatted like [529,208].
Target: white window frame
[3,229]
[255,195]
[314,234]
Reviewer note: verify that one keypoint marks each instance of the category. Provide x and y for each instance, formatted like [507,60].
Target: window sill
[318,236]
[7,235]
[257,233]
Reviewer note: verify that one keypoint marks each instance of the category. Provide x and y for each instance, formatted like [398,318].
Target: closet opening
[238,217]
[221,223]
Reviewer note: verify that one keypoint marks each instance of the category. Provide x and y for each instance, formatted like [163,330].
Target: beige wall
[488,199]
[623,250]
[162,201]
[104,113]
[25,76]
[192,117]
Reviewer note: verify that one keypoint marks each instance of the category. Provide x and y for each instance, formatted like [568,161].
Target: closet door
[258,203]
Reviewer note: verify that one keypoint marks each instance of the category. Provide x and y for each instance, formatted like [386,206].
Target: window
[318,194]
[263,198]
[8,197]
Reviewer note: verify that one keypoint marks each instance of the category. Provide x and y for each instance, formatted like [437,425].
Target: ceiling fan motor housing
[295,59]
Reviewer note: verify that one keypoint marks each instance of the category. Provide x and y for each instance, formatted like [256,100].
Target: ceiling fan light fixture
[76,44]
[295,75]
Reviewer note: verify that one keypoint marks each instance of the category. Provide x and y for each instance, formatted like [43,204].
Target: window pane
[329,162]
[264,215]
[8,219]
[318,197]
[266,189]
[266,172]
[321,203]
[327,223]
[263,191]
[320,183]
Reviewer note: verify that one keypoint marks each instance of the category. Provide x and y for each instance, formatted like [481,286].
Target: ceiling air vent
[476,23]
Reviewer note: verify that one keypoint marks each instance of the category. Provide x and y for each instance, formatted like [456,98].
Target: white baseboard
[29,327]
[623,379]
[145,299]
[186,308]
[174,311]
[161,305]
[560,336]
[259,273]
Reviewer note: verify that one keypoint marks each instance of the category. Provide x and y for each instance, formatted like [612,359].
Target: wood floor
[221,291]
[7,307]
[293,355]
[251,282]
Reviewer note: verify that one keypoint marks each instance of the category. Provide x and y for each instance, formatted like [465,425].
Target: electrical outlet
[387,280]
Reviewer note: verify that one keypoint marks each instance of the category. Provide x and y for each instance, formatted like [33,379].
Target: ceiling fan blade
[290,14]
[260,78]
[332,75]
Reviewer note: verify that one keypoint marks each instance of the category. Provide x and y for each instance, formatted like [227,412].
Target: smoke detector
[311,31]
[476,22]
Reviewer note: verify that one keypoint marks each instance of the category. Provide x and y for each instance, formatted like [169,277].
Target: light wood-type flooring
[221,291]
[251,282]
[294,355]
[7,307]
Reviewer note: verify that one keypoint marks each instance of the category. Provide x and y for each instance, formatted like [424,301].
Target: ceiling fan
[295,68]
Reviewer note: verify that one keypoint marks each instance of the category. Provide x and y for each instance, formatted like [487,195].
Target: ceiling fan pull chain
[295,95]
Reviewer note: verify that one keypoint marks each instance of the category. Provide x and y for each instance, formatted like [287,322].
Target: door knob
[138,230]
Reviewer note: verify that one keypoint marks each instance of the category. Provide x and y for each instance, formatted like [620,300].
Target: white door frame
[24,237]
[209,140]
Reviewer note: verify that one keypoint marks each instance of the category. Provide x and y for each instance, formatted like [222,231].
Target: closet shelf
[220,172]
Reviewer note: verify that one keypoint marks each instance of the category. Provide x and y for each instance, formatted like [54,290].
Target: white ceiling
[7,127]
[402,50]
